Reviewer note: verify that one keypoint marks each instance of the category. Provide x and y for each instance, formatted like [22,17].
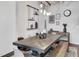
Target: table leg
[44,54]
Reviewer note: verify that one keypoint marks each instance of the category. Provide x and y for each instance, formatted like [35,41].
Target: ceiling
[51,2]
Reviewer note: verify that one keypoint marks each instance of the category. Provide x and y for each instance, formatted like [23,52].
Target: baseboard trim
[74,45]
[8,54]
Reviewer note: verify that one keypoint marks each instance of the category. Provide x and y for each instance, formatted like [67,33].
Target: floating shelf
[31,20]
[31,28]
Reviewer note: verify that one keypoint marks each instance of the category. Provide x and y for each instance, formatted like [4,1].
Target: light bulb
[44,12]
[41,11]
[41,5]
[49,13]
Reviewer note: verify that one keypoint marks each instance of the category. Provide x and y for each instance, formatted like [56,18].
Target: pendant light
[44,13]
[41,5]
[48,13]
[44,9]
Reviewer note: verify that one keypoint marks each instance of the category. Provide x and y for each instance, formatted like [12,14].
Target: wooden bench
[60,50]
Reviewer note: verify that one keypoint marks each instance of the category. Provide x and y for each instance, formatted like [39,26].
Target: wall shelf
[31,28]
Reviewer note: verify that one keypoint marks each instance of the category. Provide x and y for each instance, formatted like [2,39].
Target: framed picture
[52,19]
[57,16]
[57,22]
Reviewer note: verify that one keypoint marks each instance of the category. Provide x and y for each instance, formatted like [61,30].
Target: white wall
[72,21]
[22,18]
[7,26]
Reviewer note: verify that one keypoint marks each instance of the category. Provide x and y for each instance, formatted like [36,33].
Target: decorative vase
[64,29]
[36,25]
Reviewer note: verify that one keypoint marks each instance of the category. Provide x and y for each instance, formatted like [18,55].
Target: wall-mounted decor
[64,28]
[57,22]
[36,13]
[36,25]
[52,19]
[67,13]
[57,16]
[32,17]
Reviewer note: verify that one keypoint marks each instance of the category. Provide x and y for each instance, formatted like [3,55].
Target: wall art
[52,19]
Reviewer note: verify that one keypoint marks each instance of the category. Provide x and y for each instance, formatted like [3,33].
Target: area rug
[72,52]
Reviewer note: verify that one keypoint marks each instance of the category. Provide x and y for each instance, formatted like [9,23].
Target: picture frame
[57,22]
[52,19]
[58,16]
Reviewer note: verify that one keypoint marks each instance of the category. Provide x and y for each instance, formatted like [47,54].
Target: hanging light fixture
[41,5]
[43,9]
[49,13]
[44,13]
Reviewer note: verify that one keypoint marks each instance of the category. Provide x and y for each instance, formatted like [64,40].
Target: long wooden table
[39,44]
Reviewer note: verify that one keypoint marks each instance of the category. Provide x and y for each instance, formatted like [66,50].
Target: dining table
[38,44]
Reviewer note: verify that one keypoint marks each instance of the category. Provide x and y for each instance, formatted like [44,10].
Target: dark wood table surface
[37,43]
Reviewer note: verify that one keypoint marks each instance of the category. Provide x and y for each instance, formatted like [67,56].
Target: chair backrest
[20,38]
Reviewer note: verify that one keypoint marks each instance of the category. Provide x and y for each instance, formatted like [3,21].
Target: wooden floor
[72,45]
[78,51]
[77,46]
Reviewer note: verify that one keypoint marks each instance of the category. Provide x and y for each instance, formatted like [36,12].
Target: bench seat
[60,50]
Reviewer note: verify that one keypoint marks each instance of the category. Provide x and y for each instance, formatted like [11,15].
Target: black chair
[22,47]
[20,38]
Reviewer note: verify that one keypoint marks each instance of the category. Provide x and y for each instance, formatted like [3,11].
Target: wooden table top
[37,43]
